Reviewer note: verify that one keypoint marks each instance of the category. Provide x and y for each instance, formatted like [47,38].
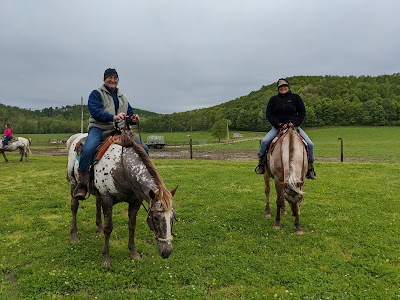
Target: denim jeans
[6,139]
[89,150]
[267,139]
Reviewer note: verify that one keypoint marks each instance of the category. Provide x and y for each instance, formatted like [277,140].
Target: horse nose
[166,251]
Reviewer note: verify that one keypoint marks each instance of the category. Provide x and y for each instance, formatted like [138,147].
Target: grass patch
[224,247]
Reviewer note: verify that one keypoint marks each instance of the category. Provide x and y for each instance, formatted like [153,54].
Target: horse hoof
[106,263]
[299,232]
[277,226]
[267,215]
[74,238]
[136,256]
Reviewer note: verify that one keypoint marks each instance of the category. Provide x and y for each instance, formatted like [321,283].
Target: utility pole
[81,114]
[227,131]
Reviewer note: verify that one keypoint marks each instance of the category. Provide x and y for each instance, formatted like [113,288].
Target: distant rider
[7,135]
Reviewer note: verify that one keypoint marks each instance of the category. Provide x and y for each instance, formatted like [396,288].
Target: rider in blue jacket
[108,109]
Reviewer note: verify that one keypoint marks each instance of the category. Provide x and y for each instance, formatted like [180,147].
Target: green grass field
[224,247]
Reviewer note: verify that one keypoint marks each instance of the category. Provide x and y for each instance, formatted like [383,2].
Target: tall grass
[224,247]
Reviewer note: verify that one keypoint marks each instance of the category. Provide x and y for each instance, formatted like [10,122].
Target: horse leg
[21,152]
[74,211]
[280,203]
[26,154]
[107,206]
[4,155]
[296,214]
[99,222]
[132,213]
[267,190]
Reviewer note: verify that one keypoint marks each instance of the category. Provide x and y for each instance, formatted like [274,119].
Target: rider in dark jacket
[283,108]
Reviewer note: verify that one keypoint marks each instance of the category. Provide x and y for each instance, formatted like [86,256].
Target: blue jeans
[6,139]
[267,139]
[89,150]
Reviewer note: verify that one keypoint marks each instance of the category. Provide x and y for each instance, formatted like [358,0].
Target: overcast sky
[179,55]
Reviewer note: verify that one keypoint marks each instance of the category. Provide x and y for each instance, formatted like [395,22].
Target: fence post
[191,149]
[341,149]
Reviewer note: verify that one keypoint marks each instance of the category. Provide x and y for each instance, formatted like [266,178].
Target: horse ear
[174,190]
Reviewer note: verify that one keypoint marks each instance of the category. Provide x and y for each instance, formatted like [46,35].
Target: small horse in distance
[19,143]
[287,165]
[124,173]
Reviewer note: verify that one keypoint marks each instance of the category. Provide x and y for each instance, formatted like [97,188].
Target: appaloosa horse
[19,143]
[125,173]
[287,165]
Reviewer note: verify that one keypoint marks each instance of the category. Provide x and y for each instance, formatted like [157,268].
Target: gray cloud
[179,55]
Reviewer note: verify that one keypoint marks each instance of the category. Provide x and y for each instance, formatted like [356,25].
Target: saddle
[13,139]
[108,137]
[282,132]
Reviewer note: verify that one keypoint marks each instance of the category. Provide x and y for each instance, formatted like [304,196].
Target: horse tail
[27,149]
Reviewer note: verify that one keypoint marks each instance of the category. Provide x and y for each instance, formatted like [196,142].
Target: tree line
[329,100]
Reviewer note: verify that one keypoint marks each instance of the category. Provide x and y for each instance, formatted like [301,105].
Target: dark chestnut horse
[287,165]
[125,173]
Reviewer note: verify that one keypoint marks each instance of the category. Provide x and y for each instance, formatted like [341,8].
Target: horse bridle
[150,211]
[150,222]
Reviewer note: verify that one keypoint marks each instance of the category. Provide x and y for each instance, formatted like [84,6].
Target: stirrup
[260,169]
[81,192]
[311,174]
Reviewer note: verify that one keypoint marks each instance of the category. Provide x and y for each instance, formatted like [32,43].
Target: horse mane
[292,181]
[163,194]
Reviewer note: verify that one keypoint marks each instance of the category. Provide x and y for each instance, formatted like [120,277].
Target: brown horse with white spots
[287,165]
[125,173]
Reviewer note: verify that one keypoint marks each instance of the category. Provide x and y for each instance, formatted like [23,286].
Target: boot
[310,172]
[81,189]
[260,169]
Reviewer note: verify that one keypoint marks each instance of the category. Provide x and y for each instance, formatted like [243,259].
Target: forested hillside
[51,120]
[330,100]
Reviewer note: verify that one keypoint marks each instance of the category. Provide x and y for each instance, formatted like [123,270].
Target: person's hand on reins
[135,119]
[120,116]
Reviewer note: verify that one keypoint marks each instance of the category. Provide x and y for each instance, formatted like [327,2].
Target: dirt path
[178,153]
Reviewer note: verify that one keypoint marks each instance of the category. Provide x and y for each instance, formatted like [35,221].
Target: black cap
[110,72]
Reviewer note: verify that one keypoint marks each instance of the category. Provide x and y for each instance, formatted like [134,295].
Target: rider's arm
[269,113]
[301,112]
[95,106]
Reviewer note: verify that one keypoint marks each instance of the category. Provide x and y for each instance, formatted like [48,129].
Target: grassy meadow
[224,247]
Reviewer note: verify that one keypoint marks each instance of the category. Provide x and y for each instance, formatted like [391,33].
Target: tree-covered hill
[66,119]
[330,100]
